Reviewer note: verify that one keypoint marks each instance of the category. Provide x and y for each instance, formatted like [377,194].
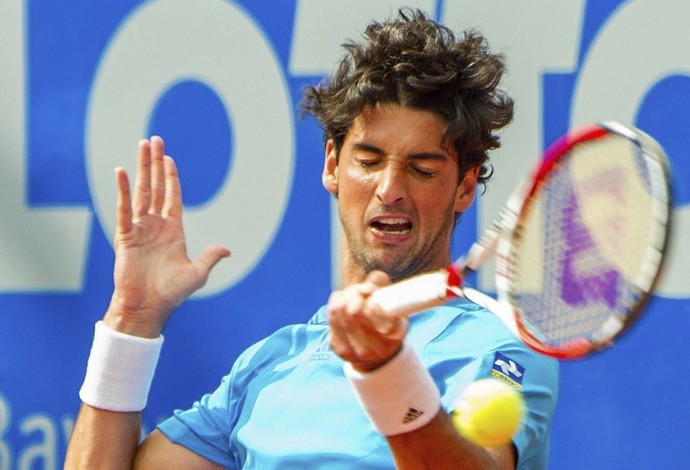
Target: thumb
[210,257]
[377,279]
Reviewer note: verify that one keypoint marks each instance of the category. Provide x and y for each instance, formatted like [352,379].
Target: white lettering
[53,435]
[216,43]
[519,40]
[45,450]
[68,427]
[40,249]
[626,53]
[5,450]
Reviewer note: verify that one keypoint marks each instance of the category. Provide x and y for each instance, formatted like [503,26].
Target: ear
[464,193]
[329,177]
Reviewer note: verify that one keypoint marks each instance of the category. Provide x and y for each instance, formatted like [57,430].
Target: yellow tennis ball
[488,412]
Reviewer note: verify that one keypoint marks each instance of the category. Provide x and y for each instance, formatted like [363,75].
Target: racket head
[588,243]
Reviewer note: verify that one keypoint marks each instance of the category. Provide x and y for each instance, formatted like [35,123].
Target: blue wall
[80,82]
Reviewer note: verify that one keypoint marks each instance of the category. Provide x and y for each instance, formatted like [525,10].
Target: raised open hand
[153,274]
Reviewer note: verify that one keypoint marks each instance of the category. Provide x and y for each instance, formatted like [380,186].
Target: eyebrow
[413,156]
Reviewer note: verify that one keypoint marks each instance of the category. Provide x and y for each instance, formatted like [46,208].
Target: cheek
[354,193]
[356,184]
[438,203]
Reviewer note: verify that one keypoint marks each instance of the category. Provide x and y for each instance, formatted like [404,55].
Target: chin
[395,271]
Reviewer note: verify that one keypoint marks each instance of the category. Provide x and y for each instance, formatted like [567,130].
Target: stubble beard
[414,261]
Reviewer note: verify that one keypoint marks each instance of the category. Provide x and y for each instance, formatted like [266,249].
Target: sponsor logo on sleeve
[508,370]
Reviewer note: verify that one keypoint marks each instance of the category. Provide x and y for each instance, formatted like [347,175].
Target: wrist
[365,367]
[399,396]
[120,370]
[132,323]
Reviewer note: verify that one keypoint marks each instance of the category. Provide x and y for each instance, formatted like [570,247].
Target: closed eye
[424,172]
[366,163]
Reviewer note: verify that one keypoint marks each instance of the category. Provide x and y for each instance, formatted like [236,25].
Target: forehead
[400,127]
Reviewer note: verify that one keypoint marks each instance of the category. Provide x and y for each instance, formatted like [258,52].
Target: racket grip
[418,293]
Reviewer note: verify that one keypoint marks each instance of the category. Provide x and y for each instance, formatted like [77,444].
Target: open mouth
[392,226]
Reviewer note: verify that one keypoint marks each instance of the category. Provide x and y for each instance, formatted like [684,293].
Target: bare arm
[367,337]
[103,439]
[158,452]
[152,276]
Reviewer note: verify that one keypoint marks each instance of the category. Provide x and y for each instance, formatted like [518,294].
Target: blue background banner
[221,80]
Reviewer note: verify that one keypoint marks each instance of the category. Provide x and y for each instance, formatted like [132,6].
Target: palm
[153,273]
[152,270]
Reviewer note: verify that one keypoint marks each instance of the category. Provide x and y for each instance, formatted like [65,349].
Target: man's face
[398,192]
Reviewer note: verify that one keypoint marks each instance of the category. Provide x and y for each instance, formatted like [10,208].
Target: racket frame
[428,290]
[615,326]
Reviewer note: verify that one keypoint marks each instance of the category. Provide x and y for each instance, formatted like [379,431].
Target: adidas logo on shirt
[322,353]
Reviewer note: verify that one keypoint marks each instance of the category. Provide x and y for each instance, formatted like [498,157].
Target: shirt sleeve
[205,428]
[536,377]
[476,345]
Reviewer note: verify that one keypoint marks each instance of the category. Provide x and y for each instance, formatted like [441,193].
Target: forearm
[103,439]
[429,439]
[115,389]
[438,446]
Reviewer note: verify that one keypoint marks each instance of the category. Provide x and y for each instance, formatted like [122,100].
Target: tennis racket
[579,245]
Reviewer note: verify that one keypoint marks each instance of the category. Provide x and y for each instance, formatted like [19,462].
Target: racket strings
[581,243]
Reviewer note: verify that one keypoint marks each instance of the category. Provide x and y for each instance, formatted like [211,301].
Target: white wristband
[399,396]
[120,370]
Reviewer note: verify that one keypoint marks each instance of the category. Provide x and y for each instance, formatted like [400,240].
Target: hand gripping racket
[579,245]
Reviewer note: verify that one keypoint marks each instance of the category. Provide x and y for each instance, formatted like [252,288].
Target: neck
[350,271]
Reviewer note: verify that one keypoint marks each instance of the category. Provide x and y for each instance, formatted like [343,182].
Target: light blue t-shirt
[286,403]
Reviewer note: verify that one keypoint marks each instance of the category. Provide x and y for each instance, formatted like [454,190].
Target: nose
[391,184]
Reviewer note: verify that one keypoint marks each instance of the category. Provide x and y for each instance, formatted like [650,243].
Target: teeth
[396,225]
[400,230]
[392,221]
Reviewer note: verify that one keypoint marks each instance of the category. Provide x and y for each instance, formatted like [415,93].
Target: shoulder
[461,323]
[462,342]
[283,344]
[465,339]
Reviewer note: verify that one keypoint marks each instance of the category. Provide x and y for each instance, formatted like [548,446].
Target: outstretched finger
[142,185]
[157,175]
[124,202]
[172,206]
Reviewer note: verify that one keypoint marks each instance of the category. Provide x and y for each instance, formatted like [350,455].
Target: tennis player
[409,117]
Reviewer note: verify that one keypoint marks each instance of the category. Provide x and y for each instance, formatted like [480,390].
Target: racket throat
[453,283]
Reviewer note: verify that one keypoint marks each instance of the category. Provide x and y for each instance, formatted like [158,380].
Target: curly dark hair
[414,61]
